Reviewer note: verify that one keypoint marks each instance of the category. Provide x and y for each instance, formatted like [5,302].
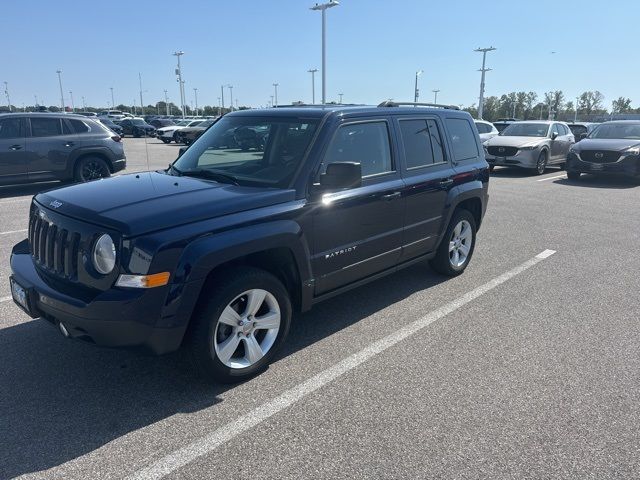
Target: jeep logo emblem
[55,204]
[599,155]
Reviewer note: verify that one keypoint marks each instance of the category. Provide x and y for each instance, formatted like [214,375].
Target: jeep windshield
[251,151]
[526,130]
[617,131]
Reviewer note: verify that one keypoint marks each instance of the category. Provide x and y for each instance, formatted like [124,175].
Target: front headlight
[529,147]
[632,151]
[104,254]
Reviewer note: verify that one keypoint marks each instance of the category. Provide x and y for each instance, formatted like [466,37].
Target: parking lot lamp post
[84,105]
[275,85]
[141,103]
[483,70]
[416,94]
[73,107]
[575,113]
[166,103]
[313,84]
[323,8]
[230,87]
[219,107]
[271,100]
[340,94]
[59,72]
[35,97]
[112,100]
[222,97]
[195,91]
[180,81]
[6,92]
[435,96]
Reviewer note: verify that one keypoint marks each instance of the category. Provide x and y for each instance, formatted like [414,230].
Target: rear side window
[79,126]
[11,128]
[483,127]
[364,143]
[463,139]
[577,130]
[45,127]
[422,143]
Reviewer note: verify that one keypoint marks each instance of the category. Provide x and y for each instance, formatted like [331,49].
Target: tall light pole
[275,85]
[112,100]
[141,103]
[272,100]
[230,87]
[84,105]
[195,91]
[323,8]
[416,93]
[6,92]
[435,95]
[166,103]
[483,70]
[222,97]
[73,107]
[341,94]
[61,91]
[219,107]
[35,97]
[575,114]
[313,84]
[180,81]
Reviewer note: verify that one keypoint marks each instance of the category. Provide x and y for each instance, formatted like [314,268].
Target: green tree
[590,102]
[555,100]
[621,105]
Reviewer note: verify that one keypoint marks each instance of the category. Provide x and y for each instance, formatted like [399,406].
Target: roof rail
[303,105]
[390,103]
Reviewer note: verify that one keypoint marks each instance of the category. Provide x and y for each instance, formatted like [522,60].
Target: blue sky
[374,49]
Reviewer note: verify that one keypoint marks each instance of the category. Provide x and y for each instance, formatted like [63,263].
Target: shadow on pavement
[62,399]
[602,181]
[28,189]
[514,172]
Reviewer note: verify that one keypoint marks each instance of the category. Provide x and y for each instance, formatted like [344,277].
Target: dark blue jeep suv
[268,212]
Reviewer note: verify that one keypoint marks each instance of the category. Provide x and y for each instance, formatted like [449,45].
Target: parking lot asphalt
[498,373]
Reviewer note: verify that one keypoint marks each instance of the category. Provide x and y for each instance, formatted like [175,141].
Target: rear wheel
[541,164]
[455,251]
[573,175]
[240,322]
[91,168]
[165,140]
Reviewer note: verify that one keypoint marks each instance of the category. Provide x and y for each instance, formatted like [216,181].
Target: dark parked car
[137,127]
[161,122]
[215,253]
[110,125]
[503,123]
[37,147]
[581,128]
[613,147]
[189,134]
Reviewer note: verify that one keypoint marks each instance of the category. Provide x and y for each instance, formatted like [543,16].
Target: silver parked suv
[530,144]
[37,147]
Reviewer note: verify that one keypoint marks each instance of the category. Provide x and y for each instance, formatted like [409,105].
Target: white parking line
[564,175]
[5,299]
[13,231]
[183,456]
[12,200]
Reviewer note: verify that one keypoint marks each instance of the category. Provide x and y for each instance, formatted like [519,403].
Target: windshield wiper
[211,175]
[175,169]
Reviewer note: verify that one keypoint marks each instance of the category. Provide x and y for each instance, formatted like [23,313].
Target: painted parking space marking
[209,443]
[8,232]
[564,175]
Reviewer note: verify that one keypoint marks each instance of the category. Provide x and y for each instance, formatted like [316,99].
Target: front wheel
[541,164]
[456,248]
[165,140]
[240,322]
[91,168]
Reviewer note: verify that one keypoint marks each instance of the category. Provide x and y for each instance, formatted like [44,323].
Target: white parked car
[168,134]
[486,130]
[112,114]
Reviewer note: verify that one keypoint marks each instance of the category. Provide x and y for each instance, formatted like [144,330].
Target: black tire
[541,164]
[571,175]
[217,294]
[165,140]
[90,168]
[491,168]
[442,262]
[562,166]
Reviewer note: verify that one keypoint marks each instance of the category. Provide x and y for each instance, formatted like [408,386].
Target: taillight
[116,138]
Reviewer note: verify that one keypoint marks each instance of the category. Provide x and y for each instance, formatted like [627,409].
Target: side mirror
[554,135]
[341,175]
[583,136]
[181,151]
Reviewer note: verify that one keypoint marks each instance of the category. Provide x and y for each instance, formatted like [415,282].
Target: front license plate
[19,294]
[596,167]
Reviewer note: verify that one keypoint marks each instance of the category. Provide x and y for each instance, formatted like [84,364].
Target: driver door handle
[391,196]
[446,182]
[15,147]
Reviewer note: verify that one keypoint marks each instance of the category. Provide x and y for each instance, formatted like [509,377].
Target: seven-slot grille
[52,247]
[599,156]
[502,151]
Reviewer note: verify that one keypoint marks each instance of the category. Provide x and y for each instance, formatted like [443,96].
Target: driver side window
[363,143]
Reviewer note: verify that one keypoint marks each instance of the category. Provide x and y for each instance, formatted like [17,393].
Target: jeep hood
[140,203]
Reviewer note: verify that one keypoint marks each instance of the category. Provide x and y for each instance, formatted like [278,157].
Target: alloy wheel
[460,244]
[92,170]
[247,329]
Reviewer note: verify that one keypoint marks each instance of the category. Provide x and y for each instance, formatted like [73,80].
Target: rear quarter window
[462,138]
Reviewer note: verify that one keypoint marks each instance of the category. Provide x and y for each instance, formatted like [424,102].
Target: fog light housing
[143,281]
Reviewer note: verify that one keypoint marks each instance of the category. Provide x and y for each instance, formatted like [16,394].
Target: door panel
[13,156]
[49,147]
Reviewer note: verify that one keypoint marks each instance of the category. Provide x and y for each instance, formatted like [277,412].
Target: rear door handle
[446,183]
[391,196]
[15,147]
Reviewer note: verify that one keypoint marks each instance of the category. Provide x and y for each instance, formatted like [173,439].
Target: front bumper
[119,164]
[524,159]
[629,165]
[114,318]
